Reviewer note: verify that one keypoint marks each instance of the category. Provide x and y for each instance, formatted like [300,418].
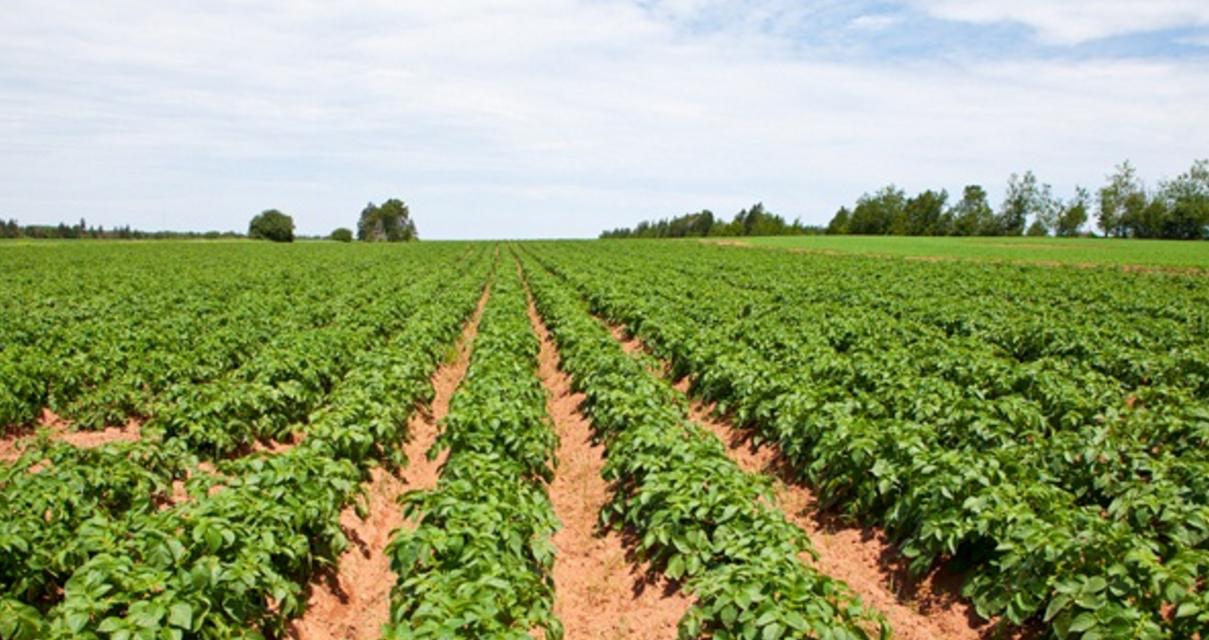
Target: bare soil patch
[15,438]
[917,608]
[601,591]
[923,608]
[352,601]
[629,344]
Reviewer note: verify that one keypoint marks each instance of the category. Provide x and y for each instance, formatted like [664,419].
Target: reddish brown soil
[599,591]
[920,608]
[924,608]
[13,441]
[180,493]
[274,447]
[628,344]
[353,600]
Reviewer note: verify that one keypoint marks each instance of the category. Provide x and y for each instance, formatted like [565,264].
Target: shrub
[272,225]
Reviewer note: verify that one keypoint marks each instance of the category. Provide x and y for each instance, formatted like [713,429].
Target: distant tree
[1023,199]
[875,213]
[342,234]
[754,221]
[1187,203]
[272,224]
[390,222]
[1036,229]
[1122,194]
[1049,207]
[839,222]
[1073,214]
[923,215]
[972,215]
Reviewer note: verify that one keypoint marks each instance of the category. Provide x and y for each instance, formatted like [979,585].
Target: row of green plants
[284,382]
[234,558]
[99,333]
[987,416]
[697,517]
[478,564]
[88,331]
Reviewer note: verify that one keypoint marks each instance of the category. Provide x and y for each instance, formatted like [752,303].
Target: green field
[1072,251]
[1040,433]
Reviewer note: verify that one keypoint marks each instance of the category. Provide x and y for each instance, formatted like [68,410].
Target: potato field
[596,439]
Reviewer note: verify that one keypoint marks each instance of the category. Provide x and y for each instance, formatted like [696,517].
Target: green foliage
[699,518]
[1179,209]
[479,564]
[924,215]
[95,543]
[342,234]
[1024,198]
[271,224]
[756,221]
[839,222]
[1186,203]
[1044,428]
[875,214]
[390,222]
[972,215]
[1073,214]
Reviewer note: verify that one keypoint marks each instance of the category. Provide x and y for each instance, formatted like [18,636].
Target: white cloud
[875,22]
[527,118]
[1068,22]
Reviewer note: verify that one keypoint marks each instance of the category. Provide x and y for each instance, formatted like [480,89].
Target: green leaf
[1082,622]
[1055,606]
[1187,609]
[675,567]
[181,615]
[77,620]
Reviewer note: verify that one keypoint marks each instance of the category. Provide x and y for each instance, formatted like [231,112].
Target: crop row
[233,558]
[479,563]
[698,517]
[290,377]
[100,333]
[1072,481]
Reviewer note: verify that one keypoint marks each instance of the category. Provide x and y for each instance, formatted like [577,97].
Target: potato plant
[479,563]
[1045,427]
[700,519]
[232,560]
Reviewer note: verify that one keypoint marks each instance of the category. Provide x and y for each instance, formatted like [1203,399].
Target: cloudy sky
[555,118]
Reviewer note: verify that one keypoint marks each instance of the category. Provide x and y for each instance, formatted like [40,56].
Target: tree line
[12,229]
[755,221]
[389,222]
[1123,208]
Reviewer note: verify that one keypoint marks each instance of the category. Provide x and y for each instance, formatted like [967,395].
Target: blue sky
[544,118]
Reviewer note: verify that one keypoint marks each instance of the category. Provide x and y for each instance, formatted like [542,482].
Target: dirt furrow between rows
[601,591]
[352,602]
[14,440]
[918,609]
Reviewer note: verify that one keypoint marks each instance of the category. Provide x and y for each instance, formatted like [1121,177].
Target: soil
[924,608]
[916,608]
[12,443]
[352,601]
[601,592]
[729,243]
[628,344]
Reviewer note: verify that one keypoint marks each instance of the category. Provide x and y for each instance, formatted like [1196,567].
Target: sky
[556,118]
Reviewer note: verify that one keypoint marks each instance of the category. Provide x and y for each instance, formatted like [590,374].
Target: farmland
[1084,252]
[643,439]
